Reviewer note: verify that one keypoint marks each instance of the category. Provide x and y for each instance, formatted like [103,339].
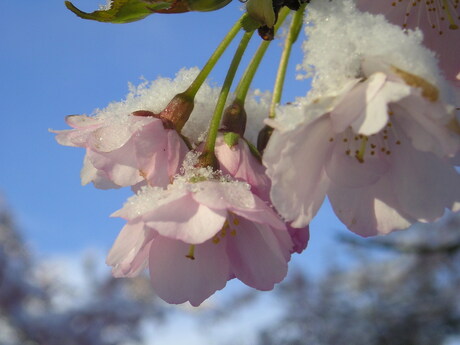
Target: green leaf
[206,5]
[123,11]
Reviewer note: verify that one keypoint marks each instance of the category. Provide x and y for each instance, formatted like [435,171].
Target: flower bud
[263,138]
[234,118]
[178,110]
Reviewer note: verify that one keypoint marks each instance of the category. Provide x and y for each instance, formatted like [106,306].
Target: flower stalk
[217,116]
[293,34]
[248,76]
[199,80]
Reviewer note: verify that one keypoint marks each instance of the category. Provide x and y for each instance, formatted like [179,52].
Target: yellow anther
[233,232]
[236,221]
[216,239]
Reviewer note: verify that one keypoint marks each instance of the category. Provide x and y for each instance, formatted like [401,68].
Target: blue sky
[54,64]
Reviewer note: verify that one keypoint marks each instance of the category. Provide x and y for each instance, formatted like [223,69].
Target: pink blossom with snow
[194,236]
[379,151]
[135,151]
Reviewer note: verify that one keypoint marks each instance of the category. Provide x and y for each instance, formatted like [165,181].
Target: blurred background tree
[36,308]
[403,289]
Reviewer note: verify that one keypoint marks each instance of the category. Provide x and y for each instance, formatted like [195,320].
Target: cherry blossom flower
[125,153]
[194,236]
[379,151]
[439,20]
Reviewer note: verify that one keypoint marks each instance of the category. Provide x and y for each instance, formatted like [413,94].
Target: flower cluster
[378,133]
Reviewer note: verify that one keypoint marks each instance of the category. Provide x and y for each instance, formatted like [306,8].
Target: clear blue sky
[54,64]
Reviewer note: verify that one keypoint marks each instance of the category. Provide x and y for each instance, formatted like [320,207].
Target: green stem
[215,122]
[199,80]
[245,82]
[296,25]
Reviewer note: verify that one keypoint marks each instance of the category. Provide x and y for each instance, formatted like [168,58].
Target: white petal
[369,210]
[425,184]
[295,163]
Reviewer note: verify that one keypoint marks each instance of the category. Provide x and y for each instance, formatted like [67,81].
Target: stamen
[360,154]
[191,252]
[450,17]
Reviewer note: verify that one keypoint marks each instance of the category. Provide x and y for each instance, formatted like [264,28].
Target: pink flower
[380,152]
[196,236]
[439,20]
[125,153]
[238,162]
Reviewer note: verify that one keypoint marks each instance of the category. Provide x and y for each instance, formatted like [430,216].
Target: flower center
[439,13]
[364,147]
[229,227]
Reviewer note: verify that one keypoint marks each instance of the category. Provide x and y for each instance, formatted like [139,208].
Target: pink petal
[99,178]
[176,150]
[177,279]
[118,165]
[112,136]
[365,106]
[260,213]
[258,258]
[83,121]
[229,157]
[425,184]
[186,220]
[129,253]
[420,120]
[369,210]
[300,238]
[151,153]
